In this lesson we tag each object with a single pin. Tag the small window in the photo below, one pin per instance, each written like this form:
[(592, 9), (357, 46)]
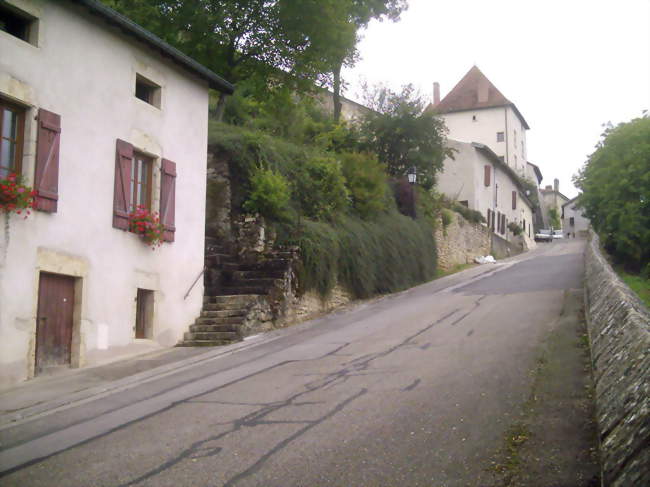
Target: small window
[(515, 138), (141, 176), (12, 126), (572, 221), (147, 91), (18, 24), (473, 118), (465, 203), (144, 314), (500, 136)]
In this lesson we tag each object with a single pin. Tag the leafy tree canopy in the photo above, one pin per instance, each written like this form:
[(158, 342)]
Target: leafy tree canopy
[(287, 39), (403, 134), (615, 182)]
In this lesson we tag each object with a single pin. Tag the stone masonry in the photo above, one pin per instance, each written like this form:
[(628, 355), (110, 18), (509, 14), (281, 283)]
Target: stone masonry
[(619, 333), (460, 242)]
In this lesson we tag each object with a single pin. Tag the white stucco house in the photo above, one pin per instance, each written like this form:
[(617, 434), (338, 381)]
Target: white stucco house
[(98, 116), (476, 111), (574, 223), (477, 178)]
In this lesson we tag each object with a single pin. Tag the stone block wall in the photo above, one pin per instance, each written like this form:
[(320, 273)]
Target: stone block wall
[(460, 242), (619, 333), (502, 248)]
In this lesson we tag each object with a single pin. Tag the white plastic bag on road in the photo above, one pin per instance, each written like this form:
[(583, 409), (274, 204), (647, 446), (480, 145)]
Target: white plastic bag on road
[(487, 259)]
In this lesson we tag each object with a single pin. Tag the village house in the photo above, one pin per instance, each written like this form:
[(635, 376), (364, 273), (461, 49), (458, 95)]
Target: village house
[(477, 178), (552, 199), (574, 223), (476, 111), (99, 116)]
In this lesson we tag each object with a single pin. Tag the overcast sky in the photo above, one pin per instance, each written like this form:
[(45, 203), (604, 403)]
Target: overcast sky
[(569, 66)]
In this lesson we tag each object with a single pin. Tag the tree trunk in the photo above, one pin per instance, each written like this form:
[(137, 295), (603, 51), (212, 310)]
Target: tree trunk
[(337, 92), (221, 107)]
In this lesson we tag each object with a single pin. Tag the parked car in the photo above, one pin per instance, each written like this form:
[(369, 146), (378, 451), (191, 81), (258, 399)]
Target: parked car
[(544, 235)]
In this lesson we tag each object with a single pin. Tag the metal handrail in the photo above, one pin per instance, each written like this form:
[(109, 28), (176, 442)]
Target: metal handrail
[(194, 283)]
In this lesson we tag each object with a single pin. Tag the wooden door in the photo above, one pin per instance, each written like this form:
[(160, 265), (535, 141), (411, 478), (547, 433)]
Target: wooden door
[(54, 321)]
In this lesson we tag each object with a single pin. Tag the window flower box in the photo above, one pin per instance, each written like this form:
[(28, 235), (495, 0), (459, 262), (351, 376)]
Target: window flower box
[(15, 196), (146, 224)]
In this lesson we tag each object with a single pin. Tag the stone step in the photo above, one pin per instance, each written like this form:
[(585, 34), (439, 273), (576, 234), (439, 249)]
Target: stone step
[(270, 264), (191, 336), (266, 282), (219, 260), (275, 274), (224, 320), (204, 343), (245, 290), (214, 328), (222, 313), (228, 302)]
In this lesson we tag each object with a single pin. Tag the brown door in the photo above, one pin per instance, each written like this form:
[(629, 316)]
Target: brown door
[(54, 321)]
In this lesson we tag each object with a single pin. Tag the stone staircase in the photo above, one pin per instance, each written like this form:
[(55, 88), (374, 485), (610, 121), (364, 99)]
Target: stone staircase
[(232, 288)]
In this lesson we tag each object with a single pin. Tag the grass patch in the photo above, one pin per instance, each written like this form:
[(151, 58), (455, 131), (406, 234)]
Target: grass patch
[(638, 284)]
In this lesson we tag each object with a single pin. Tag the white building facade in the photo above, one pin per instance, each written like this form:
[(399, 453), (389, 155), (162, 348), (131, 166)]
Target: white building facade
[(478, 179), (97, 121), (574, 223), (476, 111)]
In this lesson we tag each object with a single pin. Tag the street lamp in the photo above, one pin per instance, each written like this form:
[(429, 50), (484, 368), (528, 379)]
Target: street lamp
[(412, 175)]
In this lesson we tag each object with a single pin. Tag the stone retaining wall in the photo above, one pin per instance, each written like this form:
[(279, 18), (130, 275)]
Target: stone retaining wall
[(460, 242), (619, 333)]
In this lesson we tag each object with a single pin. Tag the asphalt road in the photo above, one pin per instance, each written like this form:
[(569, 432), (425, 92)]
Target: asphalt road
[(413, 389)]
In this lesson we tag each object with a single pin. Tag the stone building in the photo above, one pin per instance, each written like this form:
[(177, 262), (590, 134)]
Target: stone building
[(552, 198), (574, 223), (99, 116)]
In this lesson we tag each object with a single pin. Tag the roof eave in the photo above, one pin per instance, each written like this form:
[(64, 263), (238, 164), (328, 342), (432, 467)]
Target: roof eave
[(128, 26)]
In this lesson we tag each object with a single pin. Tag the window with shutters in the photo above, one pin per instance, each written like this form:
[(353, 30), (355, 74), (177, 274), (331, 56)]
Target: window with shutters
[(486, 175), (514, 200), (147, 91), (12, 129), (141, 179), (18, 23), (500, 136)]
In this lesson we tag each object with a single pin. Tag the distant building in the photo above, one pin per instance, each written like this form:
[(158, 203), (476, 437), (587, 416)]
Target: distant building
[(98, 116), (477, 178), (552, 198), (574, 223), (476, 111)]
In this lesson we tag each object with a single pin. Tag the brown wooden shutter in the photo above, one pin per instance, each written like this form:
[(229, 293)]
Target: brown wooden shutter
[(46, 177), (514, 200), (122, 187), (487, 175), (168, 199)]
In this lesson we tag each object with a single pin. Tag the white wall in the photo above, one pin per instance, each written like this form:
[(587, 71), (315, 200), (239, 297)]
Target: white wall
[(580, 222), (482, 126), (463, 179), (85, 71)]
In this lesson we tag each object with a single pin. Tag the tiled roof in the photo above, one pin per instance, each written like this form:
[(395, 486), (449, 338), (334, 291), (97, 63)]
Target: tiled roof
[(475, 91)]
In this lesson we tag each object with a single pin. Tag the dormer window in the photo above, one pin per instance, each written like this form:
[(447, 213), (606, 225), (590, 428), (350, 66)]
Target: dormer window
[(18, 24), (147, 91)]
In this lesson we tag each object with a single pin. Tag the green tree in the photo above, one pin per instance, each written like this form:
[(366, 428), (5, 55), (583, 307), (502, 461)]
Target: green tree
[(358, 14), (615, 182), (554, 218), (291, 42), (403, 134)]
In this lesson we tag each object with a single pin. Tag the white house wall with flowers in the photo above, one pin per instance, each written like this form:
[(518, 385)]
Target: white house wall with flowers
[(99, 118)]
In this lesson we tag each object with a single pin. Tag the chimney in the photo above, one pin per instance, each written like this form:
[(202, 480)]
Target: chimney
[(436, 93), (556, 185)]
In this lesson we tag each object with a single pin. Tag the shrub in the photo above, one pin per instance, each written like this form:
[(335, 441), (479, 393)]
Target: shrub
[(367, 258), (446, 217), (515, 228), (269, 195), (318, 187), (366, 182)]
